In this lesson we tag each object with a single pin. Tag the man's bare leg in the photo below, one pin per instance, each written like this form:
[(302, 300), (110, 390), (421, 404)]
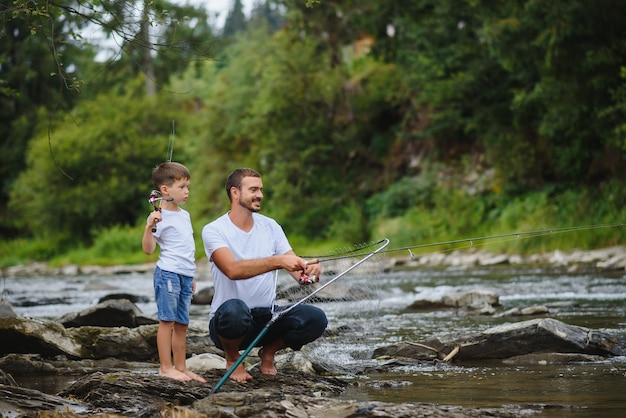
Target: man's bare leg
[(267, 353), (164, 347), (231, 352), (179, 348)]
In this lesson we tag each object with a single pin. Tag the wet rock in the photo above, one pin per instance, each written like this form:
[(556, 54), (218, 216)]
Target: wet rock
[(127, 296), (50, 339), (27, 335), (204, 296), (148, 395), (6, 309), (21, 402), (476, 302), (110, 313), (553, 358), (527, 311), (512, 340), (23, 364), (206, 361)]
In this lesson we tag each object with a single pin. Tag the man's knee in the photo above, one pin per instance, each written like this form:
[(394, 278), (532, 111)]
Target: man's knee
[(232, 319)]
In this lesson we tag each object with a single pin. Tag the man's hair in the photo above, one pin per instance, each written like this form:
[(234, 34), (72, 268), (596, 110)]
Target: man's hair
[(167, 173), (236, 177)]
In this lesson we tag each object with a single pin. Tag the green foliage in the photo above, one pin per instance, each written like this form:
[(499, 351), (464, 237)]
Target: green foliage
[(353, 139), (92, 169), (458, 216), (26, 250), (118, 245)]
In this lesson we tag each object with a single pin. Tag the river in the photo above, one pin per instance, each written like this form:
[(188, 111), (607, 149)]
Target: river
[(591, 299)]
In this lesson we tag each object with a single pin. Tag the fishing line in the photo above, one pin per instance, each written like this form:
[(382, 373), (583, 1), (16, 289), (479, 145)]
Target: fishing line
[(277, 314), (473, 242)]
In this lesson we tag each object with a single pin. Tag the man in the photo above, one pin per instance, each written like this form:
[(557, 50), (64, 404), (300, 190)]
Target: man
[(245, 248)]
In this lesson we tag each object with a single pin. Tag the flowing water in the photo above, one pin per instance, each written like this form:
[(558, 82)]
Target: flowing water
[(591, 299)]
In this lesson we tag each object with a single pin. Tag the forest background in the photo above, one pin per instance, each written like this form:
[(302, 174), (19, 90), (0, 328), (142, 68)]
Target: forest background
[(422, 121)]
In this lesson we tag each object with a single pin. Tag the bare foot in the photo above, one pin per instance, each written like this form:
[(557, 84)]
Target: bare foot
[(239, 374), (174, 374), (194, 376), (267, 363)]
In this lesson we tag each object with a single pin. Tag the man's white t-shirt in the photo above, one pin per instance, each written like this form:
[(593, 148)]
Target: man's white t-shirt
[(174, 235), (265, 239)]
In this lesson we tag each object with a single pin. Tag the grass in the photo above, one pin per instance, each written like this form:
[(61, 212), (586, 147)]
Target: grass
[(446, 216)]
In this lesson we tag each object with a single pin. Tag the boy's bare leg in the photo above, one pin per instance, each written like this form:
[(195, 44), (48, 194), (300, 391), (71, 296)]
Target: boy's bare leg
[(231, 352), (179, 348), (267, 353), (164, 347)]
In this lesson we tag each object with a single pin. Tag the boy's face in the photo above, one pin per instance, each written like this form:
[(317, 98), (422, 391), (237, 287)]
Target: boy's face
[(179, 190)]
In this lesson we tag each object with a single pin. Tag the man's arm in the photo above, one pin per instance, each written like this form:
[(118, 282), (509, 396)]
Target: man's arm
[(244, 269)]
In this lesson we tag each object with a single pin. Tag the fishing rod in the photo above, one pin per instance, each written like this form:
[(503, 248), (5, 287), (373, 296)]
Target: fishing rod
[(473, 242), (170, 151), (155, 198), (383, 243)]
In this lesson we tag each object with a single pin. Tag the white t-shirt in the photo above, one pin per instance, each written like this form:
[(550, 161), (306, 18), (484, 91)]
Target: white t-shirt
[(174, 235), (265, 239)]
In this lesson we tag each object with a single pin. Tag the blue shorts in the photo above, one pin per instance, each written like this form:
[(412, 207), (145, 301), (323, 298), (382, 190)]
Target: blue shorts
[(173, 293)]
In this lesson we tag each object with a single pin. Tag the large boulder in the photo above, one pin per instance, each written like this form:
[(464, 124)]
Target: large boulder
[(108, 313), (542, 335), (48, 338)]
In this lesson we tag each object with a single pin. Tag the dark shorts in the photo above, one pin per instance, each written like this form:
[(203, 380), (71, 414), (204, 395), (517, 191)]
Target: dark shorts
[(297, 327)]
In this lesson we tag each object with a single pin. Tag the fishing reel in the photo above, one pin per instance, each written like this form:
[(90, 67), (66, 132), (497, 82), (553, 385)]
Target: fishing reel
[(155, 200)]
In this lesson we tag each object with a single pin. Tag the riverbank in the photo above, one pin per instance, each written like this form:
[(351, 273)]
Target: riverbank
[(610, 258)]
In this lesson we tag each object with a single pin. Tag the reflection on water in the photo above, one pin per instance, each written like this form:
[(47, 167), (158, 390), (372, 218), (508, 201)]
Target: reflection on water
[(572, 390), (593, 300)]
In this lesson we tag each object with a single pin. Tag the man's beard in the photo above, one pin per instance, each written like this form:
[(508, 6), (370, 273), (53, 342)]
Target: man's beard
[(248, 205)]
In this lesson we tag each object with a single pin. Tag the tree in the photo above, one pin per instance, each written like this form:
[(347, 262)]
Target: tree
[(35, 74), (235, 21), (106, 150), (45, 62)]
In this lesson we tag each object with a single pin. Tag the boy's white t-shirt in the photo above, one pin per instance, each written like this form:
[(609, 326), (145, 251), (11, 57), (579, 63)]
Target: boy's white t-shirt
[(174, 235), (265, 239)]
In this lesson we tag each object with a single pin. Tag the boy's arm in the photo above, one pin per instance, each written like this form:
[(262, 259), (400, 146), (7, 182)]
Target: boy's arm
[(148, 242)]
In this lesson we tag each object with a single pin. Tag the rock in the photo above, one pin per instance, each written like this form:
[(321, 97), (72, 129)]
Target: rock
[(110, 313), (204, 296), (127, 296), (206, 361), (553, 358), (494, 260), (527, 311), (26, 335), (544, 335), (26, 364), (6, 309), (286, 395), (50, 339), (476, 301), (21, 402)]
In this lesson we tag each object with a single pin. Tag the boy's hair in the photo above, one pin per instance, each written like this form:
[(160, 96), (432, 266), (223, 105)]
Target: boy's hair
[(167, 173), (235, 178)]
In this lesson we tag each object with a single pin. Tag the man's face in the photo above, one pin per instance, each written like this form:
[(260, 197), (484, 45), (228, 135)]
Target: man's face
[(251, 193)]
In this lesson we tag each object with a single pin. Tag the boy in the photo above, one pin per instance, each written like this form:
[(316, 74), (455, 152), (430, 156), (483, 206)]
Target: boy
[(173, 276)]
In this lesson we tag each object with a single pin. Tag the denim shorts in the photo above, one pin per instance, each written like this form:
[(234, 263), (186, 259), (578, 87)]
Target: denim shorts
[(173, 294)]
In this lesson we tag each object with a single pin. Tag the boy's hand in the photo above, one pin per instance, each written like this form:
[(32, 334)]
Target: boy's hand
[(154, 218)]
